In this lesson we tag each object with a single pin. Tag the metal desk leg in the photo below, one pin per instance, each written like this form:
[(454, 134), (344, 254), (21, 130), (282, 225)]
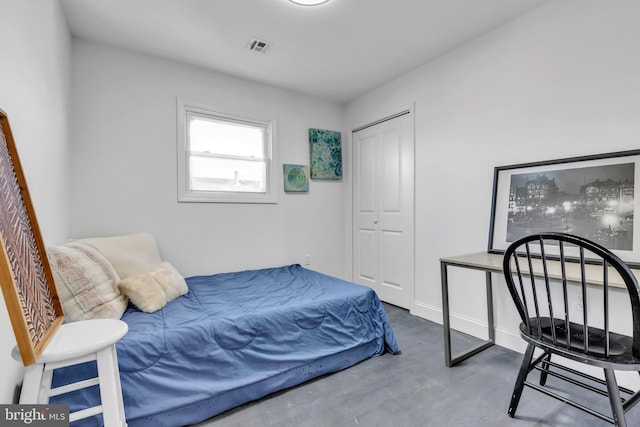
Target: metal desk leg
[(490, 325), (448, 359), (445, 313)]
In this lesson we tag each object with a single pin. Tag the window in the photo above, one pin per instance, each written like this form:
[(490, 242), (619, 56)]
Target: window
[(224, 158)]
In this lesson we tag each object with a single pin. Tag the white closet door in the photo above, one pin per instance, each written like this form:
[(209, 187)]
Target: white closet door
[(383, 209)]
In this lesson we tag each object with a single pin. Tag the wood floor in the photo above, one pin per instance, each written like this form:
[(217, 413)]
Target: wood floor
[(416, 389)]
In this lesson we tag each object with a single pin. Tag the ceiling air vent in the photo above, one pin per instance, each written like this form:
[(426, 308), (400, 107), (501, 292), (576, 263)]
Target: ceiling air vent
[(258, 45)]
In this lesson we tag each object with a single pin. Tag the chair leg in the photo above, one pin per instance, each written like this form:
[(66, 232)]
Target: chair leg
[(545, 366), (110, 388), (614, 398), (522, 376)]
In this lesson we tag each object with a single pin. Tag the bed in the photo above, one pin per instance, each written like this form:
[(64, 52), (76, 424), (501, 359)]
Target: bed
[(236, 337)]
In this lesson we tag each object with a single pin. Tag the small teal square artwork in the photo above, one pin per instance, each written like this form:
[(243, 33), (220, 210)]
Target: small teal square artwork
[(296, 178), (325, 149)]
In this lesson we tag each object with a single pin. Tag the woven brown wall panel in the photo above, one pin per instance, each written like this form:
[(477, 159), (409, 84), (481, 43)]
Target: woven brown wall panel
[(27, 286)]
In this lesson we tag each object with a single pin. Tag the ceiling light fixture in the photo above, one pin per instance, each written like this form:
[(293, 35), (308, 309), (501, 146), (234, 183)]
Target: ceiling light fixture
[(309, 2)]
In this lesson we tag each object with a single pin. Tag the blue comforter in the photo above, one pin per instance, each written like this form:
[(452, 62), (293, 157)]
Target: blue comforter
[(236, 337)]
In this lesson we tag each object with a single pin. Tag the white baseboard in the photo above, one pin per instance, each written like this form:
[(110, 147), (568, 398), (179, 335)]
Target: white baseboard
[(427, 311), (468, 325)]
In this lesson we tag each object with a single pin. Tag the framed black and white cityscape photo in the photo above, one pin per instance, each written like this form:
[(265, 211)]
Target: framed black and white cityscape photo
[(589, 196)]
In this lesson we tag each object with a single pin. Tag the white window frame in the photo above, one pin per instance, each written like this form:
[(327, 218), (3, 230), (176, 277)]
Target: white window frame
[(186, 194)]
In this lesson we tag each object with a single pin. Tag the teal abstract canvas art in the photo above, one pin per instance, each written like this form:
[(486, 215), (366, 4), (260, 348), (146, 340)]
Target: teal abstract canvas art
[(325, 148), (296, 178)]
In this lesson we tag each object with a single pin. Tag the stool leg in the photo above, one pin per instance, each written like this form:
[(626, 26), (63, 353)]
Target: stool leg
[(32, 385), (110, 389), (45, 385)]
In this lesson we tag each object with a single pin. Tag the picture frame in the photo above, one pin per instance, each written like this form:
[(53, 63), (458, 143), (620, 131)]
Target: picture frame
[(325, 154), (590, 196), (26, 280), (295, 178)]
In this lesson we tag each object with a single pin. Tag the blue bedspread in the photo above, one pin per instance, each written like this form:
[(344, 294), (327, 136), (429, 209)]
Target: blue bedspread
[(236, 337)]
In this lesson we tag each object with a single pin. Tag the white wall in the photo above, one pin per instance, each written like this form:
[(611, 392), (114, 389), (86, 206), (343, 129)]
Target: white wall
[(124, 166), (34, 75), (558, 82)]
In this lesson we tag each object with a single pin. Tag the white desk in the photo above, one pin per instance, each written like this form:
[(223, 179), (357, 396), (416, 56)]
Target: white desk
[(492, 263)]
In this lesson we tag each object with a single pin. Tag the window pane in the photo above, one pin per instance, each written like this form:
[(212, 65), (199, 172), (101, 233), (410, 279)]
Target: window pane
[(227, 138), (225, 158), (213, 174)]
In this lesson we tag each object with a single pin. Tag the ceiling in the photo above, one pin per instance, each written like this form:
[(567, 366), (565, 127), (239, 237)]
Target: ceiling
[(336, 51)]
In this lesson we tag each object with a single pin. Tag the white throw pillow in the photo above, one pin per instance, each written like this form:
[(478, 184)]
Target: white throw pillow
[(86, 283), (152, 291), (170, 280), (144, 292)]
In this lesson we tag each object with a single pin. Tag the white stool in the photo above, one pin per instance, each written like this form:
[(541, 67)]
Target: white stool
[(72, 344)]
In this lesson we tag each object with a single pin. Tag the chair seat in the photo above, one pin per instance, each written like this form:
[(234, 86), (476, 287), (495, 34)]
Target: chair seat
[(620, 346), (80, 338)]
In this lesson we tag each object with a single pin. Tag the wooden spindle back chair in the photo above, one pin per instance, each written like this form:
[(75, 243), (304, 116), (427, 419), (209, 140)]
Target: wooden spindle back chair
[(546, 274)]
